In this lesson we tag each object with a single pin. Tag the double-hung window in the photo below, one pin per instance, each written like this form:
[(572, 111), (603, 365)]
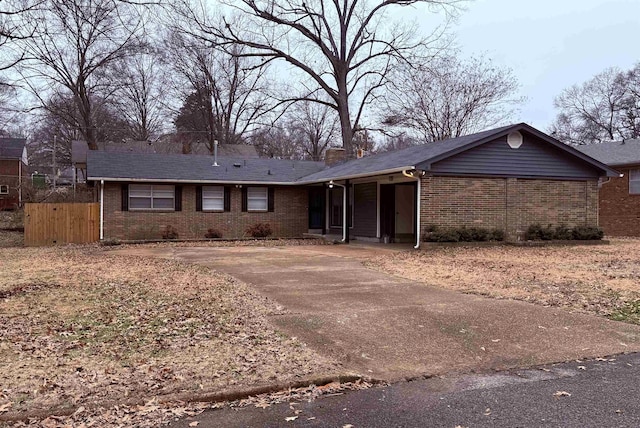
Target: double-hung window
[(151, 197), (634, 182), (213, 198), (257, 199)]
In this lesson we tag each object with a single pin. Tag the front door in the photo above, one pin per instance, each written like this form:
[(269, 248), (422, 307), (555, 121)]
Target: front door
[(316, 207), (405, 212), (388, 211)]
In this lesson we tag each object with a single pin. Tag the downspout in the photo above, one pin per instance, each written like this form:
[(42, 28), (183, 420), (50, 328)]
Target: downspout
[(410, 174), (20, 183), (101, 210)]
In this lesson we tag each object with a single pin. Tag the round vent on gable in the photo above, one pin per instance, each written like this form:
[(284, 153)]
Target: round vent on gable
[(514, 139)]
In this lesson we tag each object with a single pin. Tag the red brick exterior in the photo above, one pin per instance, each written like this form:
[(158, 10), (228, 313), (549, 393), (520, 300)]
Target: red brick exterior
[(620, 211), (9, 175), (509, 204), (289, 218)]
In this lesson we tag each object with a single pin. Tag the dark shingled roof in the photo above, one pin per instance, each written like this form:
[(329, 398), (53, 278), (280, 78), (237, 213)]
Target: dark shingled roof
[(195, 168), (79, 149), (11, 148), (198, 168), (614, 153), (401, 158)]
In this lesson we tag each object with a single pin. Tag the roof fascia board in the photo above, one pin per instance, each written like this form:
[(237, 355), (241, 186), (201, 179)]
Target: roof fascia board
[(363, 175), (165, 180)]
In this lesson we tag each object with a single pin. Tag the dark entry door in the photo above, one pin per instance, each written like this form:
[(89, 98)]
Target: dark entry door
[(388, 210), (316, 207)]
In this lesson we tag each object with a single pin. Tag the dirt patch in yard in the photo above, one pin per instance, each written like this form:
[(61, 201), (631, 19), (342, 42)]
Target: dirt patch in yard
[(81, 326), (604, 280)]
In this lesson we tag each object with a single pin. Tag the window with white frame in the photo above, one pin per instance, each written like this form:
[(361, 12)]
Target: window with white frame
[(151, 197), (257, 198), (4, 189), (634, 182), (213, 198)]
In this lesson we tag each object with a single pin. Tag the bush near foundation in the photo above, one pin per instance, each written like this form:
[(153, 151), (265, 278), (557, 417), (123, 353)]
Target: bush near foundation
[(170, 232), (213, 234), (537, 232), (462, 234), (259, 230)]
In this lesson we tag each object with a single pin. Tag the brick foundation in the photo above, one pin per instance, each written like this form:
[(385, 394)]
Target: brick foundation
[(509, 204), (619, 211), (289, 219)]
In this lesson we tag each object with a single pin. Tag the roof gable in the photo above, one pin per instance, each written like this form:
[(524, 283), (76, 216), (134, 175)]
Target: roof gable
[(12, 148)]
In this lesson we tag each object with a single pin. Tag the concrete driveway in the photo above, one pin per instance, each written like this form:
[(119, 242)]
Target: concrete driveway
[(390, 328)]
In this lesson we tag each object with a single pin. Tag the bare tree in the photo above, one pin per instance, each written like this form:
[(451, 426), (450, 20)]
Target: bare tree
[(449, 97), (14, 28), (75, 44), (604, 108), (314, 126), (276, 142), (140, 94), (344, 50), (227, 94)]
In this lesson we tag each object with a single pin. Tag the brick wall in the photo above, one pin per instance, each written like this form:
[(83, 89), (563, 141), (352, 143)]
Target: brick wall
[(9, 175), (619, 211), (509, 204), (289, 219)]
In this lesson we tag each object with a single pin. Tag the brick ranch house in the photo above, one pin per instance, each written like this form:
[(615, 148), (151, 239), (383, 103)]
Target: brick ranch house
[(506, 178), (13, 170), (619, 197)]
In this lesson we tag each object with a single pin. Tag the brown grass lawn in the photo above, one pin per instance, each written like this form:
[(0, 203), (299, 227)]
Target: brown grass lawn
[(602, 279), (81, 326)]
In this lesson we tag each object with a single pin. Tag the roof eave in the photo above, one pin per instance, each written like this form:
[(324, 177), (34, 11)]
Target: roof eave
[(170, 180), (354, 176)]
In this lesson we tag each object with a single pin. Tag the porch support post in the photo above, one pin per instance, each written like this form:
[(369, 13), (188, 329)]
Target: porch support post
[(418, 203), (346, 210), (101, 210)]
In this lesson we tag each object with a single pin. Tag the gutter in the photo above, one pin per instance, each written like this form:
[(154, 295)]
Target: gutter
[(262, 183)]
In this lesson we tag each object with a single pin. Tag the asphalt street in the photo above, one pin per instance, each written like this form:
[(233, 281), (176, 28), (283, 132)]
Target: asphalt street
[(596, 393)]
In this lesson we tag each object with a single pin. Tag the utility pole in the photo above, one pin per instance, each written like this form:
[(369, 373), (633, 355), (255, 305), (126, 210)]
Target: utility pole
[(53, 154)]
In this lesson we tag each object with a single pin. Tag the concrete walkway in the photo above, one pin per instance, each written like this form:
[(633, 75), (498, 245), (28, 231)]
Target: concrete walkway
[(390, 328)]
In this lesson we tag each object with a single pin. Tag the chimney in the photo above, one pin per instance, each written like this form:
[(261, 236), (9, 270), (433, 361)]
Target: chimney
[(334, 156)]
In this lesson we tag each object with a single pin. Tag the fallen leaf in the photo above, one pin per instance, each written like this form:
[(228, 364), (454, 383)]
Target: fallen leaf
[(290, 418), (487, 411), (561, 394), (6, 407), (582, 367), (194, 424), (347, 426)]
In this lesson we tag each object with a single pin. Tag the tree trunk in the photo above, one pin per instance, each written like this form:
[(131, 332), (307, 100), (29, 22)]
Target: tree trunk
[(342, 102)]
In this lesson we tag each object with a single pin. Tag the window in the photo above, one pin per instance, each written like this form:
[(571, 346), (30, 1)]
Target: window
[(213, 198), (257, 198), (634, 182), (4, 189), (151, 197)]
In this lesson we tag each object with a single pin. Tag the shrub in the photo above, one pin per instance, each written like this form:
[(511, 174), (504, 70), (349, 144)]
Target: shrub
[(259, 230), (213, 234), (496, 235), (537, 232), (563, 233), (169, 232), (587, 233), (110, 242), (462, 234)]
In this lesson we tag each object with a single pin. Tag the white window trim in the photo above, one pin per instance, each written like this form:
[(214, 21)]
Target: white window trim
[(265, 199), (636, 180), (6, 187), (204, 197), (173, 207)]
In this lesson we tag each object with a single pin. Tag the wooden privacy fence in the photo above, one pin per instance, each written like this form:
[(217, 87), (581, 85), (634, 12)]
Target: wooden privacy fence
[(64, 223)]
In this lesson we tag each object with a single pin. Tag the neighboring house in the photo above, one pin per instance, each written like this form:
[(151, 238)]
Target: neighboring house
[(13, 172), (79, 150), (506, 178), (619, 197)]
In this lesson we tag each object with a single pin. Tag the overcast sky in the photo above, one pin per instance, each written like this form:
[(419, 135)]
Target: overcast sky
[(551, 44)]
